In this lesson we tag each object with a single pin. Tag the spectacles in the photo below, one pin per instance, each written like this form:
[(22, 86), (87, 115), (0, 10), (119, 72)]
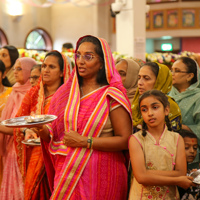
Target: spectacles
[(17, 69), (86, 57), (34, 77), (177, 71)]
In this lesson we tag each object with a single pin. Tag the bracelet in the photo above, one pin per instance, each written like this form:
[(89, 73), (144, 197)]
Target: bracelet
[(89, 142), (24, 131), (92, 144)]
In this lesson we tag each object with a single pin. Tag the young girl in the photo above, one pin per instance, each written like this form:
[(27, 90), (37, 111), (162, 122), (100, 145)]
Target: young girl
[(156, 153)]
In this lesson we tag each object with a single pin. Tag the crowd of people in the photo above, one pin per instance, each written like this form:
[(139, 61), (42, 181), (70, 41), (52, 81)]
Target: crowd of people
[(125, 130)]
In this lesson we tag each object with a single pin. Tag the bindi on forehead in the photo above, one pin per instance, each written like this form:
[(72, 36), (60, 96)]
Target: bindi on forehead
[(190, 140)]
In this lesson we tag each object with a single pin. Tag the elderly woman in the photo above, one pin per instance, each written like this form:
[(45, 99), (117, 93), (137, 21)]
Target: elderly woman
[(55, 70), (155, 76), (186, 92), (13, 189), (9, 55), (86, 141), (128, 70)]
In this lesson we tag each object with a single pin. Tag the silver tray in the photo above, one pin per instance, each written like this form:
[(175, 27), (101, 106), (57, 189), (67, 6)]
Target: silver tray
[(22, 121), (196, 176), (32, 142)]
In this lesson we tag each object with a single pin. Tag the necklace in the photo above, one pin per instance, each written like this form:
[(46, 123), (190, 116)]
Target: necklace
[(92, 90)]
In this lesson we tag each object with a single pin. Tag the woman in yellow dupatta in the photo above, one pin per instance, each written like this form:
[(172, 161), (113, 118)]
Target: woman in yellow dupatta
[(155, 76), (55, 70)]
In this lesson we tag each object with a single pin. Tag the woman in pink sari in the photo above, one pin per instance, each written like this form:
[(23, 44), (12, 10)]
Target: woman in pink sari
[(87, 140), (12, 184)]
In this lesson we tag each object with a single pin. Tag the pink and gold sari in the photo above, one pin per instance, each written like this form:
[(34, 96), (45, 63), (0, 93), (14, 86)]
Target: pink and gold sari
[(30, 159), (81, 173)]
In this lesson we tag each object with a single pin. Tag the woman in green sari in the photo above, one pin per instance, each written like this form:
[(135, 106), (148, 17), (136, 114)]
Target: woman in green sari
[(186, 92)]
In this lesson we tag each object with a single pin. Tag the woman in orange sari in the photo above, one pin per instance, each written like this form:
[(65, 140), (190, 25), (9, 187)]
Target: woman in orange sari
[(37, 100)]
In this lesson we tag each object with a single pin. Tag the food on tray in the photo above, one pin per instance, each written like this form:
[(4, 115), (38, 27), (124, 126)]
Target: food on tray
[(35, 118)]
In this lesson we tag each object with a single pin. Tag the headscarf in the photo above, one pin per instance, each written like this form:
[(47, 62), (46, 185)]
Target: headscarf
[(139, 61), (19, 90), (17, 94), (188, 102), (163, 83), (191, 90), (131, 77)]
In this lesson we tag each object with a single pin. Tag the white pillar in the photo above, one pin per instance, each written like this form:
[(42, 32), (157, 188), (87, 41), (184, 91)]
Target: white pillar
[(131, 29)]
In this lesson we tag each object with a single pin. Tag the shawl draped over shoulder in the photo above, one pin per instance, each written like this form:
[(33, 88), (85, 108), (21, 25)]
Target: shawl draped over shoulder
[(164, 84), (73, 178)]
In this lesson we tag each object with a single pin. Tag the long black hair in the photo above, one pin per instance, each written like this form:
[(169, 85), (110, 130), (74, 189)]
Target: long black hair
[(101, 76), (5, 80), (160, 97), (13, 53)]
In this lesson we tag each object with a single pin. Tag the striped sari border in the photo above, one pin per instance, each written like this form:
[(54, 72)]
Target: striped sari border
[(81, 155)]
